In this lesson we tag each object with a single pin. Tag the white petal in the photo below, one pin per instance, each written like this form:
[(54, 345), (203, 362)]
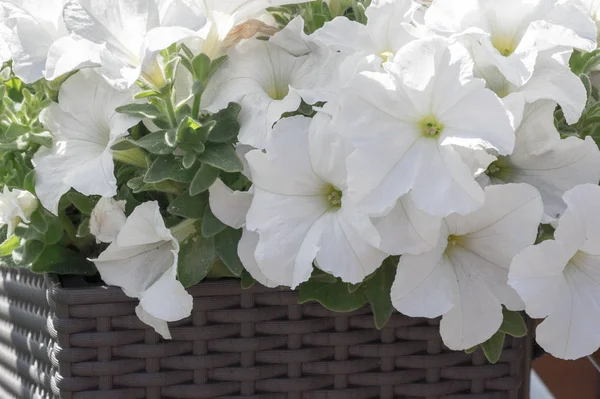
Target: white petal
[(246, 249), (343, 34), (477, 313), (407, 229), (425, 284), (71, 53), (107, 219), (344, 253), (290, 229), (229, 206), (160, 326), (166, 299), (282, 170), (581, 217)]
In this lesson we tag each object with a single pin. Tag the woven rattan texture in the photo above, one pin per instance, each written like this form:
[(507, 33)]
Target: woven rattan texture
[(25, 343), (261, 344)]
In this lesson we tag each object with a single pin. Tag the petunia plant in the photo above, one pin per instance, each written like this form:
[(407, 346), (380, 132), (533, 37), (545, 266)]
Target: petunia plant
[(437, 158)]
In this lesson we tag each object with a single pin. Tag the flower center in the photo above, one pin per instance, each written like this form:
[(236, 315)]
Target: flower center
[(505, 44), (334, 196), (431, 127), (453, 241), (386, 56), (500, 169), (277, 90)]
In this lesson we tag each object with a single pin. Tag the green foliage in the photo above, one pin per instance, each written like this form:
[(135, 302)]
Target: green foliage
[(513, 325), (334, 296), (377, 290)]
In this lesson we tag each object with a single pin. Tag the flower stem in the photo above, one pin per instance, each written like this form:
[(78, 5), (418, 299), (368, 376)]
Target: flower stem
[(133, 156), (184, 229), (171, 108)]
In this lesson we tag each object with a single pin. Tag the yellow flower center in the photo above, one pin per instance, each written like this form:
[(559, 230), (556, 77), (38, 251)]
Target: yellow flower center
[(505, 44), (333, 196), (277, 90), (430, 126)]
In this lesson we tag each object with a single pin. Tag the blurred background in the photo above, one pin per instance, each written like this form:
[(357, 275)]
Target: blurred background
[(569, 379)]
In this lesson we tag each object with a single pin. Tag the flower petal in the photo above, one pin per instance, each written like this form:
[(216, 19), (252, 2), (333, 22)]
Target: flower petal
[(229, 206)]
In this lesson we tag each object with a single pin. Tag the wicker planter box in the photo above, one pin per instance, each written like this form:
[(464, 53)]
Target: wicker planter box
[(86, 342)]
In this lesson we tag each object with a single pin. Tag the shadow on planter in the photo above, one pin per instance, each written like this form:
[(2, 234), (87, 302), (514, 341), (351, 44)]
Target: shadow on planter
[(83, 340)]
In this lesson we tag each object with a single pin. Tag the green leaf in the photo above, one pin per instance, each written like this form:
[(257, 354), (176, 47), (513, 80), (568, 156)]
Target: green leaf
[(222, 156), (146, 94), (83, 203), (201, 65), (513, 324), (38, 221), (319, 276), (29, 182), (226, 243), (9, 245), (28, 253), (168, 168), (334, 297), (196, 257), (43, 138), (211, 226), (84, 228), (61, 260), (204, 178), (187, 206), (155, 143), (492, 348), (227, 125), (471, 350), (377, 291), (188, 160), (247, 281), (140, 110), (15, 130), (216, 64)]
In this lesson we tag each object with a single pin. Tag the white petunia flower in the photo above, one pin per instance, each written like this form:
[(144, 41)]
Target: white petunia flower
[(85, 125), (269, 80), (388, 29), (509, 34), (301, 209), (559, 280), (39, 42), (16, 205), (464, 279), (107, 219), (404, 125), (130, 35), (542, 159), (143, 262), (593, 9)]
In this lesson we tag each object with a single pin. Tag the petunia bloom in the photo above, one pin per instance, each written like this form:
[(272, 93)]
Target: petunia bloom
[(559, 280), (547, 162), (142, 260), (464, 278), (269, 80), (404, 126), (15, 206), (85, 125), (107, 219), (129, 35), (509, 34), (301, 210)]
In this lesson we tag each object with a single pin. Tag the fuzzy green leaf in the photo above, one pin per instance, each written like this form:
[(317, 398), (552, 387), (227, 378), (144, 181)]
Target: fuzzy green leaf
[(155, 143), (226, 243), (377, 290), (492, 348), (140, 110), (513, 324), (84, 203), (9, 245), (222, 156), (190, 207), (211, 226), (205, 177), (201, 65), (334, 297), (227, 125), (15, 130), (247, 281), (196, 257), (28, 253), (61, 260), (168, 168)]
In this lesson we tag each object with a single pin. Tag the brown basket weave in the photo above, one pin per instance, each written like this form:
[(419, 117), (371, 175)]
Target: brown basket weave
[(237, 344)]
